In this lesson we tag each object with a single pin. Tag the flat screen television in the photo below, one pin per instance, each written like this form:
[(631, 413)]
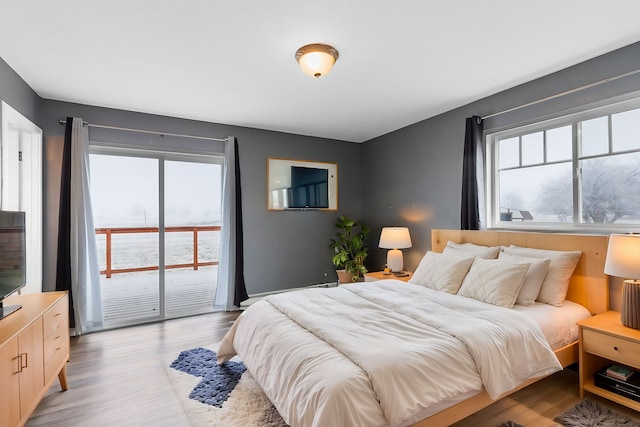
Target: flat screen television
[(301, 185), (309, 188), (13, 257)]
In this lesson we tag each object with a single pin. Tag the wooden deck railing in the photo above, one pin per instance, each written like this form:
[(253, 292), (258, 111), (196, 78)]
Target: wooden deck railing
[(108, 232)]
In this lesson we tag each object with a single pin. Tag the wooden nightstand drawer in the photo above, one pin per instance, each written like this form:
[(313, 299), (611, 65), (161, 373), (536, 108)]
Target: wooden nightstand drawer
[(610, 347)]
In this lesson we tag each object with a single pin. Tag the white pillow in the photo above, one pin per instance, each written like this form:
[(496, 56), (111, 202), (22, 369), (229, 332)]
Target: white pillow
[(556, 282), (494, 281), (532, 280), (442, 272), (467, 249)]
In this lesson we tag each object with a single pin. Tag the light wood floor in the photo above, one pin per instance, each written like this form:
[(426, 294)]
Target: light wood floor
[(117, 378)]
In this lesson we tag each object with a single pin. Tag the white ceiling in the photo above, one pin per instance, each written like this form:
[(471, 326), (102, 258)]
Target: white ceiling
[(233, 61)]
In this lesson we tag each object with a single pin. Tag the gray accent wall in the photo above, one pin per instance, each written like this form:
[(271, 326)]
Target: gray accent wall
[(282, 249), (412, 177), (17, 93)]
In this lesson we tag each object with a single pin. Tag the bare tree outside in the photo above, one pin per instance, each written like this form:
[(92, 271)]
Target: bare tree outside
[(610, 191), (557, 198)]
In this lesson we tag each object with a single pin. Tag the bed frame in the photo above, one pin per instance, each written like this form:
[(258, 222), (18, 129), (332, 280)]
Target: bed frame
[(589, 287)]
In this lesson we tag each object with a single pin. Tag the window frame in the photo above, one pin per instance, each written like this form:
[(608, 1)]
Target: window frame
[(161, 155), (573, 119)]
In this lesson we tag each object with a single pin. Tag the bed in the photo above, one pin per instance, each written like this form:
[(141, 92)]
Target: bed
[(324, 358)]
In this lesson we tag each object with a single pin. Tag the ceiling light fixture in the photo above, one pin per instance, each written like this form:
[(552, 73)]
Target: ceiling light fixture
[(316, 59)]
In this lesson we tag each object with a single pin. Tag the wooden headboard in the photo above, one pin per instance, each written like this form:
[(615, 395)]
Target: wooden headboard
[(589, 285)]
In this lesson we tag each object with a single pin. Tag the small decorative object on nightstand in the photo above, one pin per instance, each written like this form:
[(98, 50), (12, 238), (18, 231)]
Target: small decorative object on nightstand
[(623, 260), (605, 341), (380, 275)]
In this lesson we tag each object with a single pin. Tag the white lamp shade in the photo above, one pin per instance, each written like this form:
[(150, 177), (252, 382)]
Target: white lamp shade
[(395, 238), (623, 256)]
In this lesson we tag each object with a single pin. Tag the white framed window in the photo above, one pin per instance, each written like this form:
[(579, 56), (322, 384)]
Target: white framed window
[(577, 171)]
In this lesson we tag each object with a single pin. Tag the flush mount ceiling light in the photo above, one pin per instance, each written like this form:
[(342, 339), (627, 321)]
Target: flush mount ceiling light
[(316, 59)]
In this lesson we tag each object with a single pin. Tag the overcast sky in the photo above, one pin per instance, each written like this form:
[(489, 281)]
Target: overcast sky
[(124, 191)]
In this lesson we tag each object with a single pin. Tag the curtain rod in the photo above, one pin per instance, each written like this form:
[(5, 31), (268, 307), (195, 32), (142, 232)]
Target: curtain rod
[(179, 135), (558, 95)]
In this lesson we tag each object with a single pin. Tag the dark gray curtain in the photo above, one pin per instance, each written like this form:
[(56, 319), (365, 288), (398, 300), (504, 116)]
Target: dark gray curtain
[(470, 211), (240, 288), (63, 265)]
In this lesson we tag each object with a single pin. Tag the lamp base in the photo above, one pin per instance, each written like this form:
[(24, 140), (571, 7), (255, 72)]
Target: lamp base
[(394, 260), (630, 313)]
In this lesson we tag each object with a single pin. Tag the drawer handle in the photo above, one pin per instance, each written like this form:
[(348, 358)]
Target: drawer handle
[(24, 361), (57, 314), (615, 348)]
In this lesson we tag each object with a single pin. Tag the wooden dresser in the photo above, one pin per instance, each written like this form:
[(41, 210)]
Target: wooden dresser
[(34, 350)]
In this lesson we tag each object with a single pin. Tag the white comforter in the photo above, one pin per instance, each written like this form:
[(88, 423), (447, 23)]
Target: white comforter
[(379, 354)]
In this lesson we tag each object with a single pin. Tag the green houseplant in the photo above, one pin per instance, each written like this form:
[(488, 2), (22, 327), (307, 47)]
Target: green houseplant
[(350, 250)]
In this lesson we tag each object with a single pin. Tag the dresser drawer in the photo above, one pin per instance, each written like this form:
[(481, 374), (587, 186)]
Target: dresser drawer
[(55, 315), (610, 347), (56, 350), (58, 340), (55, 364)]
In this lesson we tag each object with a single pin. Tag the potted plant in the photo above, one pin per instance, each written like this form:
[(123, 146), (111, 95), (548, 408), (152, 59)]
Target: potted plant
[(349, 248)]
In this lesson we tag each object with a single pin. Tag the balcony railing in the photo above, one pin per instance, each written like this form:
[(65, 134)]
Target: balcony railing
[(109, 232)]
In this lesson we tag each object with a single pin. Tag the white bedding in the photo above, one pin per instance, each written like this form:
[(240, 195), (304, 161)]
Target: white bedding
[(382, 353), (559, 324)]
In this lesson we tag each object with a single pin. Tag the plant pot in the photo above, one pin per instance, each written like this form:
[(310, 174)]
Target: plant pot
[(344, 277)]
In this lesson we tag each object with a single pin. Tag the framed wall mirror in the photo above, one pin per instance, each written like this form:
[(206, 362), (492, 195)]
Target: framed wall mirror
[(301, 185)]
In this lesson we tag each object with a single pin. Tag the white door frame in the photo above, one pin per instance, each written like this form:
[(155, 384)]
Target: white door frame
[(21, 184)]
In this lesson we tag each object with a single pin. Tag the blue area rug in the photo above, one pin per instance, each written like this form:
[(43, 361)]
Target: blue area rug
[(218, 381), (223, 395)]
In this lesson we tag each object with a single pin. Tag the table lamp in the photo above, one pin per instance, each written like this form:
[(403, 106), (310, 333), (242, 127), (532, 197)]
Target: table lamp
[(623, 260), (394, 239)]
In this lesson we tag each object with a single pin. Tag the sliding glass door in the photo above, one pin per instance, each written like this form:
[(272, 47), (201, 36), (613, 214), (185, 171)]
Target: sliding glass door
[(192, 231), (157, 218)]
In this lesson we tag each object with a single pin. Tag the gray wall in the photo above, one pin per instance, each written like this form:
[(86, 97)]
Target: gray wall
[(415, 173), (282, 249), (15, 92)]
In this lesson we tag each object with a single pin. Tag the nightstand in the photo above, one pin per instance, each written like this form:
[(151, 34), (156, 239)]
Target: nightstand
[(604, 340), (380, 275)]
